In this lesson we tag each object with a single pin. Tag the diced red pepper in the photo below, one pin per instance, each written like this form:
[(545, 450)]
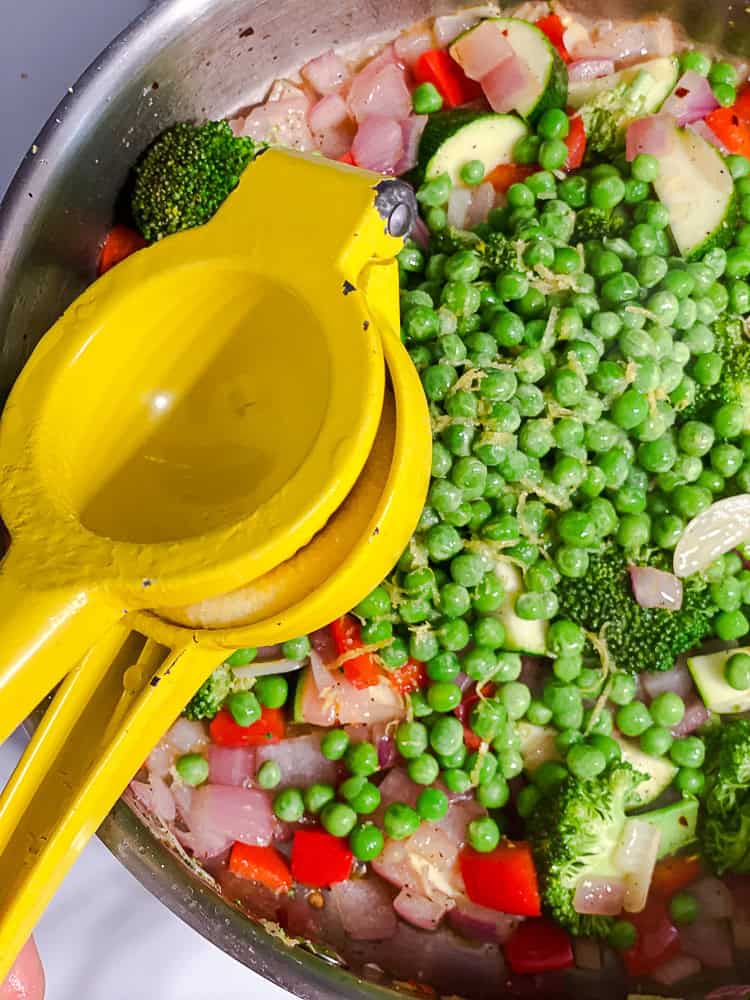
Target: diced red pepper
[(672, 874), (732, 127), (538, 946), (554, 29), (362, 671), (260, 864), (319, 859), (503, 880), (411, 677), (576, 143), (438, 68), (506, 174), (270, 728), (658, 939), (742, 104), (348, 158), (121, 241)]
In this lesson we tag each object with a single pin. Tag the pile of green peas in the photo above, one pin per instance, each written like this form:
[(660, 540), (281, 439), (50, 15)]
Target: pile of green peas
[(561, 388)]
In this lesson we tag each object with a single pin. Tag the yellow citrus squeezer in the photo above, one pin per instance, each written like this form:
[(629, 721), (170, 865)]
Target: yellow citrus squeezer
[(213, 416)]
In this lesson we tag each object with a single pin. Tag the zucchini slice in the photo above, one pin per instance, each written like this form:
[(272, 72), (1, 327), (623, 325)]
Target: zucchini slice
[(544, 62), (452, 138), (665, 72)]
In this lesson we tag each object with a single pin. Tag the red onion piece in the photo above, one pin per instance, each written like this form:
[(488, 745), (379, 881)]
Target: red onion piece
[(506, 85), (365, 907), (220, 815), (652, 134), (599, 896), (230, 765), (635, 856), (691, 100), (714, 898), (676, 969), (387, 752), (420, 233), (283, 123), (482, 202), (328, 112), (706, 132), (448, 27), (397, 786), (186, 736), (696, 715), (458, 206), (326, 73), (654, 588), (411, 132), (625, 42), (162, 800), (383, 93), (301, 762), (590, 69), (533, 673), (378, 144), (481, 50), (419, 910), (410, 46), (710, 941), (323, 644), (677, 679), (478, 923), (718, 529)]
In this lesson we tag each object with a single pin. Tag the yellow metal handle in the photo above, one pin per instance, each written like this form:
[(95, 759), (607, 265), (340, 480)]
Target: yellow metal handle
[(31, 619), (103, 722)]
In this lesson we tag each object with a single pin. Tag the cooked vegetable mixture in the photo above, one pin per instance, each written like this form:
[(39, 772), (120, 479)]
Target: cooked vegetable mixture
[(534, 731)]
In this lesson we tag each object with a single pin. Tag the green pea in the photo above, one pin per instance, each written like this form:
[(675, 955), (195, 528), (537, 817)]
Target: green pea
[(585, 761), (334, 744), (289, 806), (338, 819), (193, 769), (241, 657), (549, 775), (366, 841), (737, 671), (446, 735), (423, 770), (725, 94), (244, 707), (623, 689), (426, 99), (656, 741), (690, 751), (527, 801), (432, 805), (443, 696), (317, 796), (683, 908), (690, 781), (484, 834), (606, 745), (553, 154), (645, 168), (622, 935), (633, 719), (272, 691), (456, 780), (362, 759), (667, 709)]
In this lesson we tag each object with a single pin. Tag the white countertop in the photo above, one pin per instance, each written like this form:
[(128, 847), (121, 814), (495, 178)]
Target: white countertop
[(104, 937)]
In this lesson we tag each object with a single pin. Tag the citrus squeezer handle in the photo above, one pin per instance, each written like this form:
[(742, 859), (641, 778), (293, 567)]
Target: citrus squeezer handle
[(104, 720), (43, 634)]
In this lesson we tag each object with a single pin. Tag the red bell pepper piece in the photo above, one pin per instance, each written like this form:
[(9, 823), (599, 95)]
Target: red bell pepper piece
[(554, 29), (672, 874), (411, 677), (438, 68), (658, 939), (506, 174), (319, 859), (270, 728), (121, 241), (732, 127), (362, 671), (538, 946), (260, 864), (576, 143), (503, 880), (742, 104), (348, 158)]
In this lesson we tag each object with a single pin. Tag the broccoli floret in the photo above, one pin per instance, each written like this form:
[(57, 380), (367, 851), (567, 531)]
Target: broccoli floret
[(497, 251), (185, 176), (574, 833), (211, 695), (450, 240), (733, 347), (724, 821), (637, 638), (594, 224)]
